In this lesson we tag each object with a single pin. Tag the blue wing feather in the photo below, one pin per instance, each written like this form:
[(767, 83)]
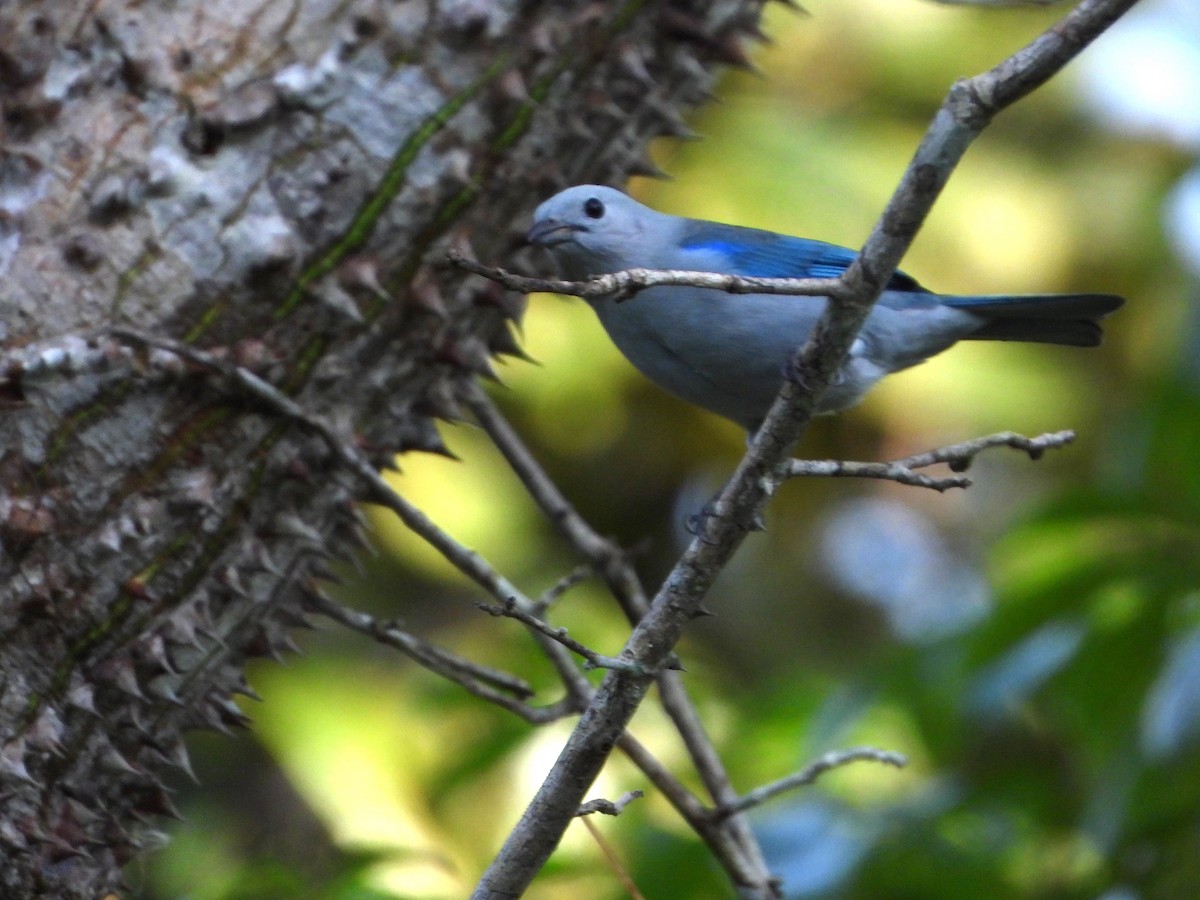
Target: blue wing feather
[(768, 255)]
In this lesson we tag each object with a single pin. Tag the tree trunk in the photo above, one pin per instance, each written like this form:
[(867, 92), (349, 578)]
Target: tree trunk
[(275, 184)]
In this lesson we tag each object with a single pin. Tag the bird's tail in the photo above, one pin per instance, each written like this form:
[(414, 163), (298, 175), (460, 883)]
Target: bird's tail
[(1070, 319)]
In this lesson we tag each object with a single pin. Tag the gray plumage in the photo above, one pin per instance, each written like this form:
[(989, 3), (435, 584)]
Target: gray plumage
[(727, 352)]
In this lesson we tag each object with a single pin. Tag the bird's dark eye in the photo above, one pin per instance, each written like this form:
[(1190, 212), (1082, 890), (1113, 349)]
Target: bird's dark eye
[(593, 208)]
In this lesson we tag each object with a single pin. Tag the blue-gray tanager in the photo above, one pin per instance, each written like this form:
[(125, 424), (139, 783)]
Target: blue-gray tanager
[(728, 352)]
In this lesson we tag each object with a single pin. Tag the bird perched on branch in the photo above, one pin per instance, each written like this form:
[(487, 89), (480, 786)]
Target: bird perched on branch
[(728, 352)]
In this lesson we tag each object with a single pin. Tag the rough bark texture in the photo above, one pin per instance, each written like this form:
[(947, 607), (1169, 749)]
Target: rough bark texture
[(273, 182)]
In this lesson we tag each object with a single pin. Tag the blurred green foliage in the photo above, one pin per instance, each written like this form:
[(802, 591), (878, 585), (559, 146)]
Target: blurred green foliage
[(1052, 721)]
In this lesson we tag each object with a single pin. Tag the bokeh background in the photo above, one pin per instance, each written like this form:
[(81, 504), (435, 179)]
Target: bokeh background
[(1032, 644)]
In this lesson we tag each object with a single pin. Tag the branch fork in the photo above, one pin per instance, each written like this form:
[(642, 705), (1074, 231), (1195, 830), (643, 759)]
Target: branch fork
[(648, 655)]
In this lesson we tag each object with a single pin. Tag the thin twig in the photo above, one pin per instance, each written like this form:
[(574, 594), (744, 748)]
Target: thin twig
[(629, 282), (968, 108), (463, 673), (605, 555), (731, 840), (614, 862), (478, 680), (379, 491), (835, 759), (391, 634), (375, 488), (838, 468), (592, 659), (958, 456), (552, 594)]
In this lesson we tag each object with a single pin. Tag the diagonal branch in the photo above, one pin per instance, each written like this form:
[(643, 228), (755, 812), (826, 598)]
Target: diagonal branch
[(608, 807), (592, 659), (629, 282), (499, 688), (605, 556), (960, 456), (968, 108), (468, 675), (883, 471)]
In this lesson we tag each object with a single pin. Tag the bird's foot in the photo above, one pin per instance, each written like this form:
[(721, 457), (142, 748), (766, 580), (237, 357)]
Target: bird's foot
[(697, 524)]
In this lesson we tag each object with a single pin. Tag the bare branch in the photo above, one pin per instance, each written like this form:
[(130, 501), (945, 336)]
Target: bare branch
[(482, 681), (475, 678), (839, 468), (614, 862), (628, 283), (731, 840), (968, 108), (605, 556), (391, 634), (593, 660), (552, 594), (378, 490), (958, 456), (835, 759)]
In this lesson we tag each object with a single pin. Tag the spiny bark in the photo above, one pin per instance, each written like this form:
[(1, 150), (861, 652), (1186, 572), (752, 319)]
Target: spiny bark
[(274, 182)]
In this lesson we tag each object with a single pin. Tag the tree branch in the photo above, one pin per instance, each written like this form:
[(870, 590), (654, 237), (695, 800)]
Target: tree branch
[(146, 513), (499, 688), (968, 108), (592, 659), (731, 840), (835, 759), (958, 456)]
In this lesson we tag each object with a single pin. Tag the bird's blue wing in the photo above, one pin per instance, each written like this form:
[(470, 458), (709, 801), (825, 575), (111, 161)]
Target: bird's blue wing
[(765, 254)]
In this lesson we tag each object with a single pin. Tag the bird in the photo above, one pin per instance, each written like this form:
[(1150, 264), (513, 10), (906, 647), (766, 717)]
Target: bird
[(728, 353)]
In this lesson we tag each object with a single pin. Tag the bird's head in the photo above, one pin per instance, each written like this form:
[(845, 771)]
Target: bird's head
[(593, 230)]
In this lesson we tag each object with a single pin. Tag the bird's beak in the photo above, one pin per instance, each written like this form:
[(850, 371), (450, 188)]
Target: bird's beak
[(548, 232)]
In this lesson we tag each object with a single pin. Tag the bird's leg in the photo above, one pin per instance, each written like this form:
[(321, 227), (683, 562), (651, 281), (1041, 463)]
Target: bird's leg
[(697, 523)]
